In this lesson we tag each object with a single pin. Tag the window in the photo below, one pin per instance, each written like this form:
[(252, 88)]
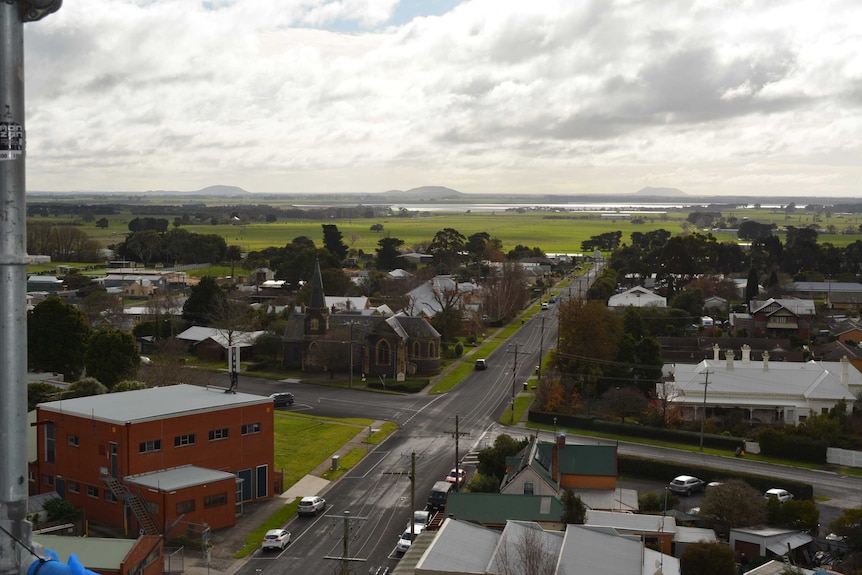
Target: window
[(415, 349), (314, 324), (185, 506), (182, 440), (250, 428), (74, 486), (432, 350), (73, 440), (92, 491), (219, 434), (152, 507), (528, 488), (49, 442), (148, 446), (48, 480), (215, 500), (383, 352), (110, 497)]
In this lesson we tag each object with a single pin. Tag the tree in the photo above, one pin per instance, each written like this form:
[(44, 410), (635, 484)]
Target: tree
[(112, 356), (57, 336), (128, 385), (448, 248), (61, 510), (574, 510), (333, 241), (41, 392), (796, 514), (448, 319), (492, 460), (752, 287), (203, 301), (529, 553), (388, 252), (653, 501), (84, 388), (734, 503), (506, 286), (588, 340), (707, 559), (103, 309), (624, 401), (849, 526)]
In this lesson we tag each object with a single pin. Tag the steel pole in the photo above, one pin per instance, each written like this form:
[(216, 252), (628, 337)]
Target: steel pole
[(13, 296)]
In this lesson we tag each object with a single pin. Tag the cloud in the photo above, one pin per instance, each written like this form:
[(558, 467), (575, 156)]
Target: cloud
[(337, 95)]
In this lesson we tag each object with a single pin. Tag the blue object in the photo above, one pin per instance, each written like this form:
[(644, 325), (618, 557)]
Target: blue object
[(53, 566)]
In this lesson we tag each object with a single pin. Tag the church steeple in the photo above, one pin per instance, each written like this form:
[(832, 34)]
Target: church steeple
[(318, 300)]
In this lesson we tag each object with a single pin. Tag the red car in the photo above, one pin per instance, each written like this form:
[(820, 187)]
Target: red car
[(458, 476)]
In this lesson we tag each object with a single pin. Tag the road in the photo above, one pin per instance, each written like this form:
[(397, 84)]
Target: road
[(374, 500)]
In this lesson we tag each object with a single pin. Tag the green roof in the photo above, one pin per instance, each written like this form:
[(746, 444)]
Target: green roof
[(582, 459), (497, 508)]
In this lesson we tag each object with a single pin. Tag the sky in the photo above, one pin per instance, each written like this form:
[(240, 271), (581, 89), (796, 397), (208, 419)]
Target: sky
[(758, 98)]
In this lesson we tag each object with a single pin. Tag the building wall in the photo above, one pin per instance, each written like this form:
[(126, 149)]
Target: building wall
[(84, 447), (146, 554), (588, 482)]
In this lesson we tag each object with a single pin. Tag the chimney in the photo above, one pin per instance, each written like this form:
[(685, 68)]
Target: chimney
[(559, 443), (845, 371), (729, 357), (746, 353), (715, 350), (765, 361)]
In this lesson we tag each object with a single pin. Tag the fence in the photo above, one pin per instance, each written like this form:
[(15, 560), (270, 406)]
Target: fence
[(173, 560), (843, 457)]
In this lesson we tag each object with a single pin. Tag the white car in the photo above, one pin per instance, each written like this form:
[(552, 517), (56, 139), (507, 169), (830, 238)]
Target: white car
[(311, 505), (781, 494), (686, 485), (275, 539), (405, 540), (420, 520)]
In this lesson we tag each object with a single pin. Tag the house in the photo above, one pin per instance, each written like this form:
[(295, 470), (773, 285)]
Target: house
[(159, 458), (429, 298), (715, 302), (675, 349), (108, 556), (770, 542), (657, 531), (849, 330), (765, 392), (213, 343), (495, 509), (637, 297), (590, 471), (461, 547), (322, 337), (779, 318), (837, 295), (50, 284)]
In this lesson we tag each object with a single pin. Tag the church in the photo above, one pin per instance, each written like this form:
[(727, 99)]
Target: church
[(320, 339)]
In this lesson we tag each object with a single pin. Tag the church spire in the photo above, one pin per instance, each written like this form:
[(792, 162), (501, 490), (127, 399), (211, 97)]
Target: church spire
[(318, 300)]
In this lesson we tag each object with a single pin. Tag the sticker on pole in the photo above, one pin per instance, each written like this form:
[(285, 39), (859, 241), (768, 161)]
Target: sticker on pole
[(11, 141)]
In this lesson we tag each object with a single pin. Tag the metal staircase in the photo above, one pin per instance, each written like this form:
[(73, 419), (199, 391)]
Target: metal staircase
[(135, 502)]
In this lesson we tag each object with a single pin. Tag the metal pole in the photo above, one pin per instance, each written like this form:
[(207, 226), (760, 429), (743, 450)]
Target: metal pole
[(703, 419), (350, 382), (345, 563), (514, 374), (541, 347)]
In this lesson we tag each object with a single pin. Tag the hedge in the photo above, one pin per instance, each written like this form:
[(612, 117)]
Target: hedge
[(777, 444), (640, 431)]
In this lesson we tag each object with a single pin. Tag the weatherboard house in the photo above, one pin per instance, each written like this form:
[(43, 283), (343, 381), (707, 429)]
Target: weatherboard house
[(322, 338)]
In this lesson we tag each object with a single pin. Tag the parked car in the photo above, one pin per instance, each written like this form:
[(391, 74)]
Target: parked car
[(481, 364), (781, 494), (420, 519), (686, 485), (311, 505), (458, 476), (406, 539), (282, 399), (545, 305), (275, 539)]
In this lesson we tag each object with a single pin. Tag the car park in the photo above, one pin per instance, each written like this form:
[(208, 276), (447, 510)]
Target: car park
[(686, 485), (406, 539), (282, 399), (781, 494), (311, 505), (481, 364), (275, 539), (458, 476)]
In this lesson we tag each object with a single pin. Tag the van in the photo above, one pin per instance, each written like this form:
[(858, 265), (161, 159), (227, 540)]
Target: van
[(439, 495), (481, 364)]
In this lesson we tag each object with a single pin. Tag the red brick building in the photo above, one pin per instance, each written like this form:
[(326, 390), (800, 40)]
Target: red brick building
[(180, 457)]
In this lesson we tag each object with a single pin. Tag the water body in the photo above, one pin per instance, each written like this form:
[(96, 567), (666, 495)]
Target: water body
[(628, 208)]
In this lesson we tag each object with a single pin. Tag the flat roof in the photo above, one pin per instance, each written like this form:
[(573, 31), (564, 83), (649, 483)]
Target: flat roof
[(152, 403), (178, 478), (94, 552)]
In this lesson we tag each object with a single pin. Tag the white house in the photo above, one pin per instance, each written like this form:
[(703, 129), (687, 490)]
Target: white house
[(766, 392), (637, 297)]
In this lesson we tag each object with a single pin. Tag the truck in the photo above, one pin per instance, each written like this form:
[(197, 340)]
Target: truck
[(438, 496)]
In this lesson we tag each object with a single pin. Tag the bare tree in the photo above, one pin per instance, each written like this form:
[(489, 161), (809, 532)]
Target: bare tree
[(104, 310), (167, 366), (160, 310), (506, 288), (662, 403), (528, 554)]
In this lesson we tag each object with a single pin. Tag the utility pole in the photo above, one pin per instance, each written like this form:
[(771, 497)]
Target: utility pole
[(350, 382), (514, 374), (541, 346), (345, 552), (457, 434), (703, 419), (15, 530)]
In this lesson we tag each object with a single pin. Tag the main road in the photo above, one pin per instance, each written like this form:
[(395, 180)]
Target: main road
[(373, 501)]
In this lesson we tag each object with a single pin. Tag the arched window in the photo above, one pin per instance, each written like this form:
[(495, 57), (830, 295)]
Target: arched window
[(416, 349), (432, 350), (314, 324), (384, 353)]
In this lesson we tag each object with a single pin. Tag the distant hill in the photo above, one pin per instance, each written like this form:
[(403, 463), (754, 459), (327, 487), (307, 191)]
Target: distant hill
[(219, 191), (424, 193), (661, 192)]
